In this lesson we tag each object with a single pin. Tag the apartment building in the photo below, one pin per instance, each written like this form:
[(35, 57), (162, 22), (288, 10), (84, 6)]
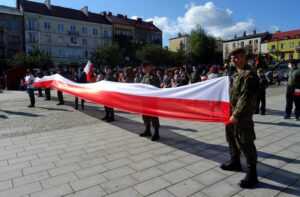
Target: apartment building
[(67, 35), (11, 36), (182, 41), (251, 42)]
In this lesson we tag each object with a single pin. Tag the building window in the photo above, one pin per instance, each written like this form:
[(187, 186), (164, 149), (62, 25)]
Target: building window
[(73, 28), (86, 53), (13, 40), (47, 25), (256, 41), (292, 45), (273, 46), (84, 42), (96, 43), (105, 34), (242, 44), (291, 55), (282, 55), (60, 39), (47, 38), (282, 46), (250, 42), (32, 25), (60, 27), (12, 25), (32, 38), (48, 51), (84, 30), (226, 46), (61, 53), (73, 40), (95, 32), (233, 45)]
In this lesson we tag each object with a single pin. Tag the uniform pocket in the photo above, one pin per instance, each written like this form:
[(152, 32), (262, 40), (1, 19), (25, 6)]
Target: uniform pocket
[(245, 131)]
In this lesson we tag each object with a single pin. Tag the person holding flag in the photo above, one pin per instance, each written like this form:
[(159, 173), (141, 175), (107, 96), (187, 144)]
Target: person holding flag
[(81, 77), (88, 69)]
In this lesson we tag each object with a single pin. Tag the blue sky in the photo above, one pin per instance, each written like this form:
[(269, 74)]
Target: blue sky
[(221, 18)]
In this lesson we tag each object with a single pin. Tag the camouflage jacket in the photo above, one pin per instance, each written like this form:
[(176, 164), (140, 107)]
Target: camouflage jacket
[(151, 79), (243, 93)]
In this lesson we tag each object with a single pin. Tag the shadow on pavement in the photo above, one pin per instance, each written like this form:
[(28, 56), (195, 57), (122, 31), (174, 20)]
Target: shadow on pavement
[(275, 112), (279, 123), (3, 117), (54, 109), (21, 113)]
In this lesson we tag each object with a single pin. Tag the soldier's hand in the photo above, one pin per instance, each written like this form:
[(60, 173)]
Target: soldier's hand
[(233, 120)]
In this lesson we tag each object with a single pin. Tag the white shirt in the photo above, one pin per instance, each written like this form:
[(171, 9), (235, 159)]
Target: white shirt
[(29, 81)]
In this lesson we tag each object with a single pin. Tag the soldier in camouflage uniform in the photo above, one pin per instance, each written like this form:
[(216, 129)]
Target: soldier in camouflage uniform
[(151, 79), (240, 132), (109, 112)]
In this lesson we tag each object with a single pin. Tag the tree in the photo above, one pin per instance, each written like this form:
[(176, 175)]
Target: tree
[(39, 59), (108, 55), (153, 53), (20, 60), (203, 47)]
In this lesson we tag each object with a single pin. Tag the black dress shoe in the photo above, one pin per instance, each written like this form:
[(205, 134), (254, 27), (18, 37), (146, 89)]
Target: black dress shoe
[(110, 120), (105, 118), (30, 106), (287, 117), (60, 104)]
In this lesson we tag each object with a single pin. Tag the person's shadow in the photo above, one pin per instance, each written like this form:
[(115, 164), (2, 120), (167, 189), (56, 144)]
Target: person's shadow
[(20, 113)]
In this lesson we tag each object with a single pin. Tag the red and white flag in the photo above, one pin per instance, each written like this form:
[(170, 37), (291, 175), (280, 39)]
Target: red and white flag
[(88, 69), (206, 101)]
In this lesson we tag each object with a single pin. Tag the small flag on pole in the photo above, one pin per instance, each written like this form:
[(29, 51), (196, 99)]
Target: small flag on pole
[(88, 69)]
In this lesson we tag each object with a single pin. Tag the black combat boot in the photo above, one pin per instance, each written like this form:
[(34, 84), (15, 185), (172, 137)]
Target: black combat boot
[(147, 132), (250, 178), (233, 165), (156, 135), (111, 117)]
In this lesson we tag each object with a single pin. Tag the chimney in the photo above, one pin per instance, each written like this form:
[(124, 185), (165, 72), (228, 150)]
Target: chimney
[(235, 36), (109, 14), (18, 2), (85, 10), (244, 34), (277, 31), (150, 22), (254, 32), (125, 16), (103, 13), (119, 15), (139, 19), (48, 4)]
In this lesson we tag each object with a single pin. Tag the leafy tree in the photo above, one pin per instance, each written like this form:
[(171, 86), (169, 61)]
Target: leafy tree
[(153, 53), (108, 55), (39, 59), (20, 60), (203, 47)]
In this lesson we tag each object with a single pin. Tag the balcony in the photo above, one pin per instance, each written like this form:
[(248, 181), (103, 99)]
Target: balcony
[(73, 33), (272, 50)]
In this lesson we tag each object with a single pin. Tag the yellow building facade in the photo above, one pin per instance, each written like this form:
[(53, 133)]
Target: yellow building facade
[(182, 41), (285, 46)]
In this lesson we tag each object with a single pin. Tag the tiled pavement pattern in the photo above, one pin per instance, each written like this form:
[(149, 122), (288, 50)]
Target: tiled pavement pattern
[(57, 151)]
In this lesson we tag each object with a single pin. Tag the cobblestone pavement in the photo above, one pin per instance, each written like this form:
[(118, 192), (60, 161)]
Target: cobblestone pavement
[(56, 151)]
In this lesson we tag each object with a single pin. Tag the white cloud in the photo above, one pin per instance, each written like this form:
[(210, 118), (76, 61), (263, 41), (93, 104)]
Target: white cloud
[(134, 17), (274, 28), (216, 21)]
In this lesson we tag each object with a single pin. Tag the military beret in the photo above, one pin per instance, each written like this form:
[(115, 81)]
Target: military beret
[(238, 51)]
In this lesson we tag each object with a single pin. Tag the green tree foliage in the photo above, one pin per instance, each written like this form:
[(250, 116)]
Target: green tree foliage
[(20, 60), (108, 55), (203, 47), (155, 54)]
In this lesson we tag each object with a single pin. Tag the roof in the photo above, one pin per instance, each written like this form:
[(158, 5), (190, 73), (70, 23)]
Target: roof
[(9, 10), (180, 36), (256, 35), (286, 34), (62, 12), (139, 23)]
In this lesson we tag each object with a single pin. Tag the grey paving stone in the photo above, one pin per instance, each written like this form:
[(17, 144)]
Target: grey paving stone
[(58, 180), (178, 175), (53, 192), (129, 192), (147, 174), (22, 190), (162, 193), (151, 186), (119, 172), (221, 189), (95, 191), (87, 182), (185, 188), (64, 169), (142, 165), (10, 175), (86, 172), (30, 178), (4, 185), (118, 184)]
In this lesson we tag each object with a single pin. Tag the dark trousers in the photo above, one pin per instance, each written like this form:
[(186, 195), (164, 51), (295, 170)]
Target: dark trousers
[(148, 120), (48, 93), (31, 96), (109, 112), (76, 103), (240, 138), (297, 106), (289, 100), (261, 101), (60, 97), (40, 92)]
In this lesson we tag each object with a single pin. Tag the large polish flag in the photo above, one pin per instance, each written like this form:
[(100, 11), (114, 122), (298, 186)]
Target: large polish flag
[(88, 69), (206, 101)]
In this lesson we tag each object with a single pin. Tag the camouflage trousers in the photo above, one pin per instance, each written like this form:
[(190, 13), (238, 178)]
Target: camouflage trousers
[(148, 120), (240, 138)]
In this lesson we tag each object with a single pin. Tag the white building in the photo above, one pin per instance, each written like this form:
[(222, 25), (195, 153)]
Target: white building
[(67, 35), (251, 42)]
